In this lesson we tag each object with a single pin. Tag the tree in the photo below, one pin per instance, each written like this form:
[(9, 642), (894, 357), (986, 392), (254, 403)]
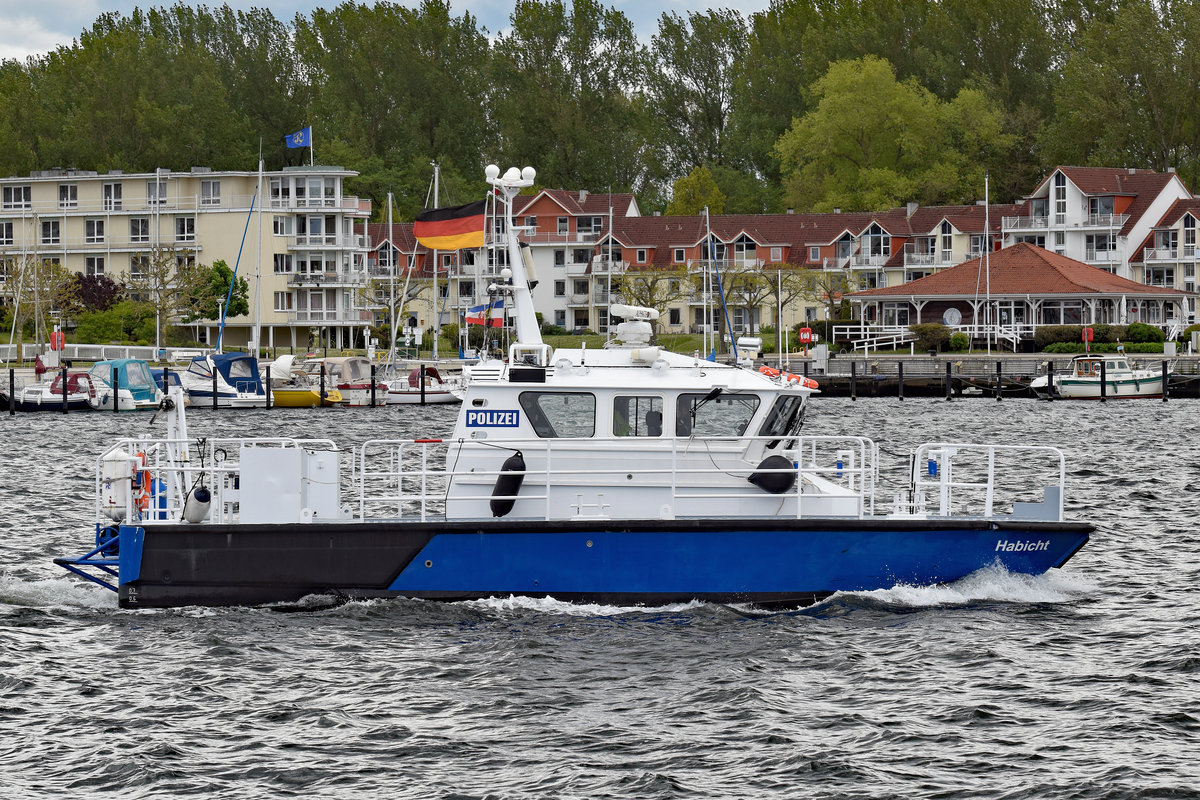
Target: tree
[(694, 193), (564, 88), (654, 288), (95, 293), (872, 142), (170, 282), (1128, 95), (824, 288), (38, 290), (690, 85), (212, 295)]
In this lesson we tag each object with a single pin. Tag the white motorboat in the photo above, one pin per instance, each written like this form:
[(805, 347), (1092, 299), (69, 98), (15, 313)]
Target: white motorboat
[(1095, 375)]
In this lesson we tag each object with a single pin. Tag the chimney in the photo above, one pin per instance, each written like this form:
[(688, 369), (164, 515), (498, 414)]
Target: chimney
[(837, 211), (791, 211), (1170, 170), (912, 208), (658, 213), (582, 195), (1132, 170)]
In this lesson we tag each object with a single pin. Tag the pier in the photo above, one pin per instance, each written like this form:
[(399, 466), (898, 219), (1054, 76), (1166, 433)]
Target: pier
[(961, 375)]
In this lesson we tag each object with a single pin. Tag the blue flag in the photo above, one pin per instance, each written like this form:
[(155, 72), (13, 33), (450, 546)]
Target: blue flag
[(301, 138)]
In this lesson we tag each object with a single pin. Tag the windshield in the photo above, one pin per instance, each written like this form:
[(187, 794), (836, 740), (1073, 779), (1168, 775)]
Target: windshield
[(240, 368), (785, 418), (137, 374), (725, 415)]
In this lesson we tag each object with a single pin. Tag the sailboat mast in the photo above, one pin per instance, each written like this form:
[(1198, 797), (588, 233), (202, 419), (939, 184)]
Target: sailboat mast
[(392, 310), (437, 315), (258, 259)]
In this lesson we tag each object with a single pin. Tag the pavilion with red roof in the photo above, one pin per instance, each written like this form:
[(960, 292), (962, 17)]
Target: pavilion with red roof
[(1025, 286)]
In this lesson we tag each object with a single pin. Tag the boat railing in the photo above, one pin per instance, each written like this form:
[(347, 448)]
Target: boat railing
[(157, 474), (963, 479), (409, 479)]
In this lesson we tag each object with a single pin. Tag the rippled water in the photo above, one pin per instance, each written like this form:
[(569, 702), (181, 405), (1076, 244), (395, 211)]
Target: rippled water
[(1079, 684)]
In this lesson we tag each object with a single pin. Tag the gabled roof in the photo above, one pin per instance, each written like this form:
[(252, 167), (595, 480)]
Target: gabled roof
[(1169, 220), (1016, 271), (583, 202), (1143, 185)]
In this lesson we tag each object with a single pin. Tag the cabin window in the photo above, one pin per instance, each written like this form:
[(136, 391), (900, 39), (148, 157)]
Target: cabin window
[(724, 415), (785, 417), (637, 416), (556, 415)]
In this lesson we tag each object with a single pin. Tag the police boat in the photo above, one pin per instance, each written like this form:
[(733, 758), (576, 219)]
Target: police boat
[(623, 475)]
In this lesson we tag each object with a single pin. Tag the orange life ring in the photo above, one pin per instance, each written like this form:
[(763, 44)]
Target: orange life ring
[(771, 372)]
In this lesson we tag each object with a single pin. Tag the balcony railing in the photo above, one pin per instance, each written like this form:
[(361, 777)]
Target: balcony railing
[(869, 259), (333, 315), (304, 241), (1104, 256), (1025, 223), (1105, 220), (1186, 253), (326, 278)]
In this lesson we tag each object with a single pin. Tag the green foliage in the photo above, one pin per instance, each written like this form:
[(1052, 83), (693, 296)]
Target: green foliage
[(125, 323), (1104, 347), (692, 194), (212, 290), (872, 142), (1140, 332), (959, 341), (931, 335), (1186, 336), (1046, 335)]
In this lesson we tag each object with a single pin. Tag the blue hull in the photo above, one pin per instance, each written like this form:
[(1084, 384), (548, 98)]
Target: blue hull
[(775, 562)]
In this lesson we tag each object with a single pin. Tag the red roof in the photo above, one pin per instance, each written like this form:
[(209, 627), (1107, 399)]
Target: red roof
[(1023, 269), (1169, 220), (1143, 185)]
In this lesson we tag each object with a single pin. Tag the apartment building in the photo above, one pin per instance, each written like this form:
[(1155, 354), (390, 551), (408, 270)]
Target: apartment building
[(1097, 215), (301, 246)]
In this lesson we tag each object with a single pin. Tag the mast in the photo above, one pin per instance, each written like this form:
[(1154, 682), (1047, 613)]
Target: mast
[(391, 283), (987, 266), (509, 186), (258, 258), (437, 312)]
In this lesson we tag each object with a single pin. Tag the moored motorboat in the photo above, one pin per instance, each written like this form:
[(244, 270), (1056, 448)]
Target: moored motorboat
[(292, 387), (1094, 375), (623, 475), (127, 382), (237, 383), (48, 395), (424, 385), (354, 379)]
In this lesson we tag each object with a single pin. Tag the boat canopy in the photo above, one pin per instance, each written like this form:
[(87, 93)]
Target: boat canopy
[(132, 374), (239, 370), (77, 383), (414, 377)]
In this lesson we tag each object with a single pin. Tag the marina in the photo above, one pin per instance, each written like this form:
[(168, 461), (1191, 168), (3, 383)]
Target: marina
[(627, 474)]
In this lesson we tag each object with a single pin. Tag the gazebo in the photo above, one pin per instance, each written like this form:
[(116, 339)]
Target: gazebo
[(1008, 293)]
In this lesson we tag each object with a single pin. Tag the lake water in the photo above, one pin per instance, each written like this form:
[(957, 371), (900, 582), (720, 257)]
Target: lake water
[(1083, 683)]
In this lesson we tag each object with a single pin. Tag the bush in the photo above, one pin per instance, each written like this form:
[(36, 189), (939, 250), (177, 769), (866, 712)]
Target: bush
[(1141, 332), (1047, 335), (1188, 331), (930, 335), (1104, 347), (553, 330), (959, 341)]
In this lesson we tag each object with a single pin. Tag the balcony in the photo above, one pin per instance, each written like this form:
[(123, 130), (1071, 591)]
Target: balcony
[(576, 237), (342, 316), (1025, 223), (1186, 253), (869, 259), (1104, 221), (577, 299), (1093, 256), (326, 241), (335, 278), (575, 268), (604, 266)]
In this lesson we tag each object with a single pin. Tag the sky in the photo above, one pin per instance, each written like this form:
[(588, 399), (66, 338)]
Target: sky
[(35, 27)]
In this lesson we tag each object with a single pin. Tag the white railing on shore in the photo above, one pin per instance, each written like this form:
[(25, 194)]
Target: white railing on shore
[(102, 352)]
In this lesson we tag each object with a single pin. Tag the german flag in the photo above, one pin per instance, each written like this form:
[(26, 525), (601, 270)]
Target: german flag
[(452, 227)]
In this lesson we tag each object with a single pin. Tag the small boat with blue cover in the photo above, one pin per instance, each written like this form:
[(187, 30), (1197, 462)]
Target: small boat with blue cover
[(237, 385), (127, 382), (626, 474)]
